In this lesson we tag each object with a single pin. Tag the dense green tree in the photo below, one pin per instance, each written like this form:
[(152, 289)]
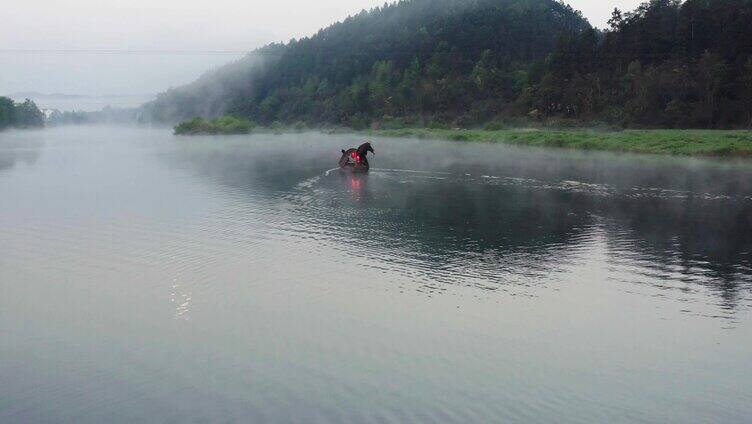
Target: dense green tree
[(7, 112), (746, 91), (20, 115), (668, 63), (28, 115)]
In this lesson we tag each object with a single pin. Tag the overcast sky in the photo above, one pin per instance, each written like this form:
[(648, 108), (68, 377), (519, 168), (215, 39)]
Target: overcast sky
[(226, 25)]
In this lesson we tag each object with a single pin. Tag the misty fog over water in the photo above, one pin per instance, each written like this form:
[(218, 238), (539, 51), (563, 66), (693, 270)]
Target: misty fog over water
[(117, 79), (147, 277)]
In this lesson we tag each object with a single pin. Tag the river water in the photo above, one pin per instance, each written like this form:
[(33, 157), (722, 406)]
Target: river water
[(145, 277)]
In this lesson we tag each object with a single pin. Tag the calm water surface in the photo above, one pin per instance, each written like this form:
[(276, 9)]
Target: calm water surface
[(145, 277)]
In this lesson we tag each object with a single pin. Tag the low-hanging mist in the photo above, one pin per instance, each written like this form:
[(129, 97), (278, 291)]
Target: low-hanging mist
[(462, 63)]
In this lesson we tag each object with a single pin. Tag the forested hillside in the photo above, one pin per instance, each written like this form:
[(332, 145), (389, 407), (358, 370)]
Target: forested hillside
[(415, 59), (19, 115), (469, 62), (667, 64)]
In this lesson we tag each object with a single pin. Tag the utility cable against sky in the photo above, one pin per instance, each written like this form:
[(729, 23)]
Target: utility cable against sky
[(131, 52)]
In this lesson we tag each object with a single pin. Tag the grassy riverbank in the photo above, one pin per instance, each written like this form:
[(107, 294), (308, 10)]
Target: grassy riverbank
[(224, 125), (674, 142)]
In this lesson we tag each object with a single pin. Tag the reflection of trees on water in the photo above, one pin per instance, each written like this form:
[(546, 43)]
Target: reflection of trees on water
[(461, 230), (19, 147), (9, 158), (706, 242), (455, 232), (454, 229)]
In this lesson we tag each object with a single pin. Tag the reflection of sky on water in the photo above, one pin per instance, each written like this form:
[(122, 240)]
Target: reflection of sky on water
[(156, 278), (181, 298)]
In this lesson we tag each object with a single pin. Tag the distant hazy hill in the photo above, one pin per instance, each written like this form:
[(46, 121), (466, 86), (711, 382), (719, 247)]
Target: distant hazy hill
[(415, 58), (37, 95), (669, 63)]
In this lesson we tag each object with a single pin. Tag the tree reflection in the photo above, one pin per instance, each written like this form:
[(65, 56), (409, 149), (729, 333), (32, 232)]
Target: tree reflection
[(453, 227), (10, 157)]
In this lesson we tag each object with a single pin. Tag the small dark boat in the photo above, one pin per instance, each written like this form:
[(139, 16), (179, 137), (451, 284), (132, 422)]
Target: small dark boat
[(355, 160)]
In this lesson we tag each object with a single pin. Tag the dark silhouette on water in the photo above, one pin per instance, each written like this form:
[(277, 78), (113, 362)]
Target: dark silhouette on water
[(356, 159)]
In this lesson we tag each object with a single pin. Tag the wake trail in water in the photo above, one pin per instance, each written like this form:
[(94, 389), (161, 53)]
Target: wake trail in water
[(595, 189), (411, 171)]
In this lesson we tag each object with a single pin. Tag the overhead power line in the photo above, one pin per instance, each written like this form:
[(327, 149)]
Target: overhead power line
[(129, 52)]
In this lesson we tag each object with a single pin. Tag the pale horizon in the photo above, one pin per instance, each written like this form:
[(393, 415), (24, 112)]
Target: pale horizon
[(75, 46)]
